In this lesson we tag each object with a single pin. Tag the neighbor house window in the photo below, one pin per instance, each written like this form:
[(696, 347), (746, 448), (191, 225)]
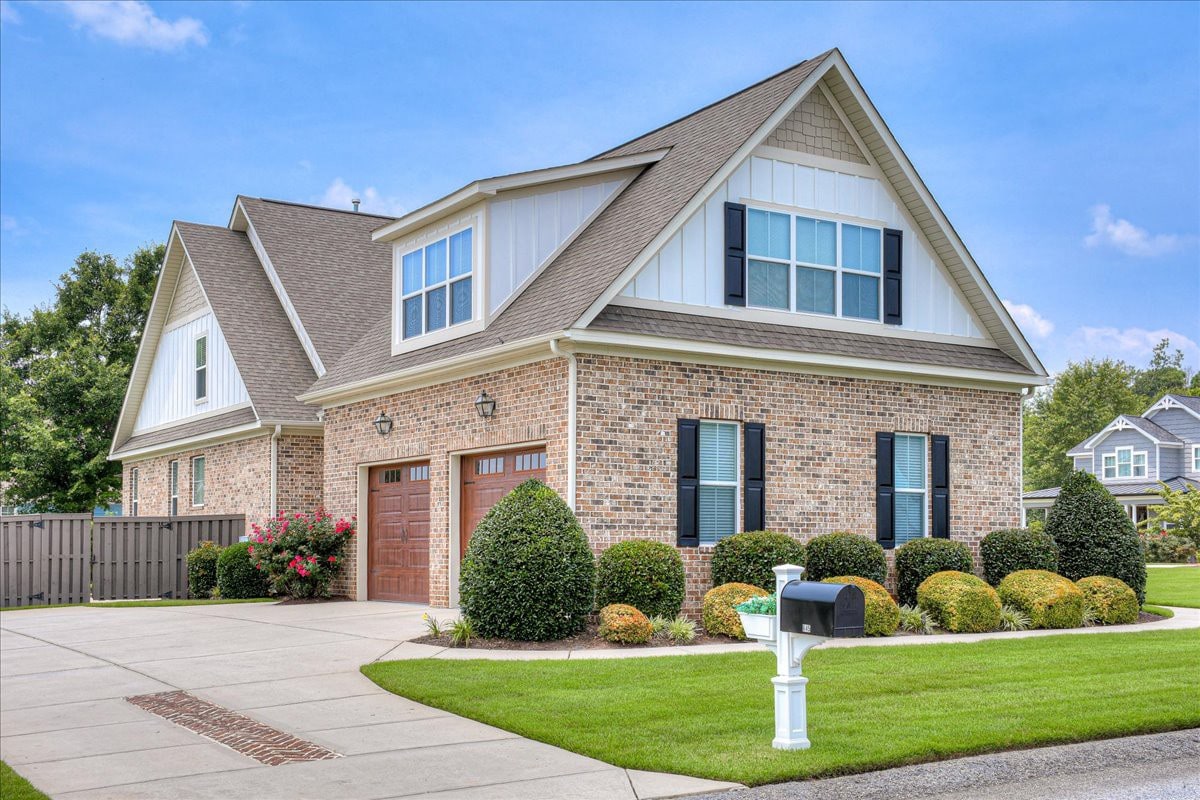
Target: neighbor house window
[(912, 487), (816, 266), (134, 478), (173, 488), (201, 368), (1125, 463), (198, 481), (1196, 458), (718, 489), (436, 285)]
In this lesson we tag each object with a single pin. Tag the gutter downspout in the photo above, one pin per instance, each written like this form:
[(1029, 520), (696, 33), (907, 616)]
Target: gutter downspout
[(572, 383), (275, 470), (1021, 456)]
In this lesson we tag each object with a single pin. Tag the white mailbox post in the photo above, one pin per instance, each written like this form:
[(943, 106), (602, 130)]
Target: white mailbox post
[(791, 703)]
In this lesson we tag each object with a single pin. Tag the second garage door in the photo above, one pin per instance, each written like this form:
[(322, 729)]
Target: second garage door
[(486, 477)]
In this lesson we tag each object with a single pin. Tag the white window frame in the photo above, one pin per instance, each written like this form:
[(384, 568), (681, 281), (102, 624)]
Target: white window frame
[(473, 276), (173, 488), (203, 484), (926, 512), (134, 481), (1115, 455), (736, 484), (1196, 458), (793, 263), (197, 368)]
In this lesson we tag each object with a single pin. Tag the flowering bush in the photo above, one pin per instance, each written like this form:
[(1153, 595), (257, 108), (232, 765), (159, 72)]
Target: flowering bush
[(300, 553), (1162, 547)]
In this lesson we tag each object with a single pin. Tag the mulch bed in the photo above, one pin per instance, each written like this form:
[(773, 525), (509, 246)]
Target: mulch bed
[(588, 639)]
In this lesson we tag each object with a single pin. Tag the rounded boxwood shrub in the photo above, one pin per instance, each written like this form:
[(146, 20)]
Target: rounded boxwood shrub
[(960, 603), (646, 575), (238, 576), (718, 613), (920, 558), (750, 558), (843, 553), (1111, 601), (202, 569), (528, 573), (1049, 600), (1014, 549), (624, 624), (1094, 535), (882, 614)]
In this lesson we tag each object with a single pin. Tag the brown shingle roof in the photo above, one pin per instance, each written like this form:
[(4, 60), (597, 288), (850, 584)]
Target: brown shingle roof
[(719, 330), (699, 143), (241, 416)]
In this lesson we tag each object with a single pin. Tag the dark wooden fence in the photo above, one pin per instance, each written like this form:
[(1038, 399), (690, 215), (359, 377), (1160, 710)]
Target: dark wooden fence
[(74, 558)]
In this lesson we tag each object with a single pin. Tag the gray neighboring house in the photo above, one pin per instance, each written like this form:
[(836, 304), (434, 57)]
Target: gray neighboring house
[(1132, 456)]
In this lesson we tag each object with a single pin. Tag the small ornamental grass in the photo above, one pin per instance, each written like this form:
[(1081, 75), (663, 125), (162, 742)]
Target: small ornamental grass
[(842, 553), (623, 624), (1013, 619), (1049, 600), (960, 603), (914, 619), (751, 557), (644, 574), (882, 615), (681, 630), (1109, 601), (300, 554), (920, 558), (720, 619)]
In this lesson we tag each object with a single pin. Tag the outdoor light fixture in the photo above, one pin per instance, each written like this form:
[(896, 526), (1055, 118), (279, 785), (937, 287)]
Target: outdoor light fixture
[(383, 423), (485, 404)]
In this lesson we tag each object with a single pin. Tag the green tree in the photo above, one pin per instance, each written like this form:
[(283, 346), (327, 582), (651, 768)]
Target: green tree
[(1083, 399), (63, 372), (1180, 511), (1164, 375)]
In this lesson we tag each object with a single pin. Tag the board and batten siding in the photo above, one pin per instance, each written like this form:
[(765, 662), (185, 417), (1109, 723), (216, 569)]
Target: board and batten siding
[(1127, 438), (690, 269), (168, 397)]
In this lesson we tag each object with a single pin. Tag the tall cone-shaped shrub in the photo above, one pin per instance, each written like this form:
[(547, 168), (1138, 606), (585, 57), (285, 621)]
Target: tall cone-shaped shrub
[(529, 573), (1094, 535)]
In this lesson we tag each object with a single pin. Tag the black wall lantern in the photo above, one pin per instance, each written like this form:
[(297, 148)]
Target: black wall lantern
[(383, 423), (485, 404)]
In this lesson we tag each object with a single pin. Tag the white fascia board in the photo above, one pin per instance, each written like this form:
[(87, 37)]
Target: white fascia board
[(738, 356), (1121, 424), (473, 192), (1168, 402)]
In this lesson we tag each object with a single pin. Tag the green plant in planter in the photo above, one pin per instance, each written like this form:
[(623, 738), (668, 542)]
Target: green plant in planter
[(764, 604)]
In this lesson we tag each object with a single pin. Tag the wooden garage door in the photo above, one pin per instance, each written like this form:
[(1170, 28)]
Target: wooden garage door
[(486, 477), (398, 533)]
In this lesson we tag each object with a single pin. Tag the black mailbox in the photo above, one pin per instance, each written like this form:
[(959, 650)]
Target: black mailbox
[(822, 609)]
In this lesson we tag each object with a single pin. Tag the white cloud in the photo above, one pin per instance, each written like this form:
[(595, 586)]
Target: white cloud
[(1131, 240), (1131, 344), (1029, 320), (9, 13), (340, 194), (133, 22)]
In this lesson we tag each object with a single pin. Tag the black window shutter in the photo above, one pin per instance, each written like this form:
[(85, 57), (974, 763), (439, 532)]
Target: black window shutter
[(735, 254), (892, 268), (940, 458), (754, 477), (885, 490), (688, 483)]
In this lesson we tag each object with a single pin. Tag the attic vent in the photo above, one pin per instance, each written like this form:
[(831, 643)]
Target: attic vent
[(355, 203)]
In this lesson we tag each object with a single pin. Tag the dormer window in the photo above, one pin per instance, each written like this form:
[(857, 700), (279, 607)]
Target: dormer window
[(200, 368), (436, 285), (1124, 463)]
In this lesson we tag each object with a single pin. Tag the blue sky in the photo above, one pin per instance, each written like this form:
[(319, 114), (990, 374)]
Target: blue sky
[(1062, 140)]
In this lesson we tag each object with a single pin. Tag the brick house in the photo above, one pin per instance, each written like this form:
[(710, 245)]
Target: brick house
[(753, 317)]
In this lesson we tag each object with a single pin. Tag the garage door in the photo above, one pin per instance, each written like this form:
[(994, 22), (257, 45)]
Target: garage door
[(486, 477), (398, 533)]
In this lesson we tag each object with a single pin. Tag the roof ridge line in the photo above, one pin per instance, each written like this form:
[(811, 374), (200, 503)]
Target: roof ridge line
[(315, 207)]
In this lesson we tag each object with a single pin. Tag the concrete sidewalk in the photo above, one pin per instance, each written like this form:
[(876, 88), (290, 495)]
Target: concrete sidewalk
[(65, 725)]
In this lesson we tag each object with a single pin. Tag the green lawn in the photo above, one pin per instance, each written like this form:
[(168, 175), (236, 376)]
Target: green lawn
[(1173, 586), (1158, 610), (868, 707), (142, 604), (14, 787)]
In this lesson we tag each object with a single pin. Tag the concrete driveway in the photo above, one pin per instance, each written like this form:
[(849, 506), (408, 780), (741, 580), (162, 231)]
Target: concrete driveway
[(266, 679)]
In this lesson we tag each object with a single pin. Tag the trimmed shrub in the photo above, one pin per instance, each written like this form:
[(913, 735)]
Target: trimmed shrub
[(202, 569), (237, 575), (1111, 601), (750, 558), (646, 575), (882, 614), (920, 558), (1160, 547), (300, 554), (843, 553), (960, 603), (1049, 600), (624, 624), (1014, 549), (719, 615), (1094, 535), (528, 573)]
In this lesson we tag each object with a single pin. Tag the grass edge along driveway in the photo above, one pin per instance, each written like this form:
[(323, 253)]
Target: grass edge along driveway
[(15, 787), (1173, 586), (869, 708)]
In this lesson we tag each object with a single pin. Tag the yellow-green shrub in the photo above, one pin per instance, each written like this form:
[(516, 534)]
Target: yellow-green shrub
[(1049, 600), (1111, 600), (719, 616), (959, 603), (624, 624), (882, 614)]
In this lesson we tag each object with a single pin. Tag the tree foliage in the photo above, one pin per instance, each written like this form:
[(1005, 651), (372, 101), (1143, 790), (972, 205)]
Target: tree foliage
[(1180, 512), (63, 372)]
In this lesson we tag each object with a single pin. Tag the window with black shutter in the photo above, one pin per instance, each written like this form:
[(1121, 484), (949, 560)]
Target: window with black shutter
[(687, 476), (735, 254), (754, 477)]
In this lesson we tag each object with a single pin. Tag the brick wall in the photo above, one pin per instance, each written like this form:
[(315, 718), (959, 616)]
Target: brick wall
[(814, 127), (820, 449), (301, 472)]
